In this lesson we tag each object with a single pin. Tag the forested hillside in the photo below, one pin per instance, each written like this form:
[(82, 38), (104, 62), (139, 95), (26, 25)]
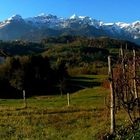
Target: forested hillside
[(13, 48), (46, 67)]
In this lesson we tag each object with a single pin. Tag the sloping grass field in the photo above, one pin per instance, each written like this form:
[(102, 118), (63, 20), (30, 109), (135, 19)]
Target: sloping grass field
[(50, 118)]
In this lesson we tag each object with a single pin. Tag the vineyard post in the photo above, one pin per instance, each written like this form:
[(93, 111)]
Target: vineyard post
[(135, 84), (112, 102), (122, 57), (134, 67)]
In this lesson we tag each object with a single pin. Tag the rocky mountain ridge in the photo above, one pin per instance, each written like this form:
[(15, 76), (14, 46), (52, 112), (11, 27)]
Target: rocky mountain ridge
[(43, 25)]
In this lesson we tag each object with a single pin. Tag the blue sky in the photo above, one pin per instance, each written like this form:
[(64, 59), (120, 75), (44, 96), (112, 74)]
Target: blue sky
[(105, 10)]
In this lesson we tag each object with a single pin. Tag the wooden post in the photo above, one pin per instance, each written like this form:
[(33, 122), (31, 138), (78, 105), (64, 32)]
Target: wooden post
[(134, 81), (121, 51), (125, 88), (24, 99), (112, 102), (123, 64), (68, 99), (134, 67)]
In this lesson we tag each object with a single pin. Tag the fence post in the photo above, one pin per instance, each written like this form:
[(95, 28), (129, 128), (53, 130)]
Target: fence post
[(68, 99), (24, 99)]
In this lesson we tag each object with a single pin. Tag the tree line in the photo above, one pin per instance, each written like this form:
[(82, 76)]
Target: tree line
[(33, 74)]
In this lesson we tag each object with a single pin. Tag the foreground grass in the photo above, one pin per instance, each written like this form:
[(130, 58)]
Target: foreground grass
[(49, 117)]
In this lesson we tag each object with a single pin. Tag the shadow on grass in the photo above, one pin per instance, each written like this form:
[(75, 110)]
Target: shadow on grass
[(78, 83), (82, 78)]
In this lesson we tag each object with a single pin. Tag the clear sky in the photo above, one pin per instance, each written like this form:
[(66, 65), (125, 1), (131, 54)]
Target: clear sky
[(105, 10)]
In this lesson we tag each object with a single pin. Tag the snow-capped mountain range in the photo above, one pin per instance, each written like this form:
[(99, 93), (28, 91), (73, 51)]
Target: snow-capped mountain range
[(41, 26)]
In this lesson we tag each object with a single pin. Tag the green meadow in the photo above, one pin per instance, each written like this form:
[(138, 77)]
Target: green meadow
[(50, 118)]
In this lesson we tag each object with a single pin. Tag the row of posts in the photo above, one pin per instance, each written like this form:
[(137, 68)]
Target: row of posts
[(25, 101), (112, 97)]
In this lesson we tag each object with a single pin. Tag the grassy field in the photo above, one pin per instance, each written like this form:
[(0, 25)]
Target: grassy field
[(50, 118)]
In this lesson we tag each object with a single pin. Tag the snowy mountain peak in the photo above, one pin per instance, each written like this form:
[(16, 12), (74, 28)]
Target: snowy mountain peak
[(123, 24), (43, 19), (74, 16), (136, 23), (15, 18), (42, 15), (82, 17), (109, 24)]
